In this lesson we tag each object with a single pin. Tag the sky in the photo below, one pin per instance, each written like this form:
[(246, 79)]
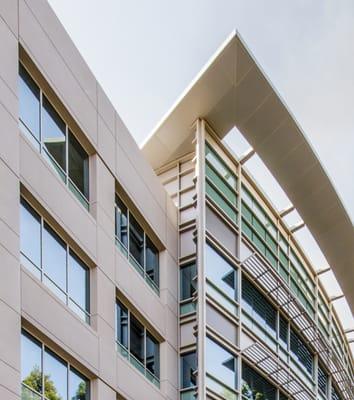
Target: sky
[(144, 53)]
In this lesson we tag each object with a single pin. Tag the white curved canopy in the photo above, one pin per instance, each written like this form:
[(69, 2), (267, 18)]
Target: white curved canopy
[(233, 91)]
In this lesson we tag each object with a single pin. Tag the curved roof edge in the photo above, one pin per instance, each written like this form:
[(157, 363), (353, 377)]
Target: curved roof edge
[(232, 90)]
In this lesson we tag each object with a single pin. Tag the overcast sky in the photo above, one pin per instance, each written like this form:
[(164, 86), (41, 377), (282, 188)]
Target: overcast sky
[(144, 53)]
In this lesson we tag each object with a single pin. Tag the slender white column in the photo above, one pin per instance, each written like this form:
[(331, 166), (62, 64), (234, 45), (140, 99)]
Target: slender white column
[(200, 171)]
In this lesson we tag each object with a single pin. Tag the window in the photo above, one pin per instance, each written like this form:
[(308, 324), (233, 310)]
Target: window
[(121, 228), (300, 352), (221, 279), (44, 375), (135, 244), (122, 325), (322, 380), (255, 387), (42, 124), (259, 315), (221, 370), (335, 394), (187, 287), (46, 255), (137, 344), (188, 368), (29, 103), (220, 183)]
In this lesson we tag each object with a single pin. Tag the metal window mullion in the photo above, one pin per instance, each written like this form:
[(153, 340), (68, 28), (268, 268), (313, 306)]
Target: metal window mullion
[(67, 154), (41, 248), (67, 380), (67, 275), (128, 231), (128, 331), (145, 349), (144, 253), (42, 360), (40, 120)]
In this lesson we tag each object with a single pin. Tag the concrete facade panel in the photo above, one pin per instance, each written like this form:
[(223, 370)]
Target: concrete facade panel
[(49, 61)]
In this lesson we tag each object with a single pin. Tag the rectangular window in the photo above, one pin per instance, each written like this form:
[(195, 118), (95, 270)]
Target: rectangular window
[(137, 344), (42, 124), (220, 183), (187, 287), (255, 387), (188, 369), (135, 244), (259, 309), (300, 352), (29, 106), (44, 375), (221, 370), (322, 380), (46, 255), (221, 279)]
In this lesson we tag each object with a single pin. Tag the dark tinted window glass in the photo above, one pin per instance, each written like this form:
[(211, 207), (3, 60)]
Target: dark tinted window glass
[(78, 282), (79, 387), (78, 165), (258, 307), (29, 103), (137, 347), (122, 324), (136, 240), (30, 235), (54, 260), (220, 272), (322, 380), (283, 331), (152, 261), (300, 352), (188, 285), (54, 135), (31, 365), (121, 221), (255, 387), (55, 377), (152, 355), (188, 367)]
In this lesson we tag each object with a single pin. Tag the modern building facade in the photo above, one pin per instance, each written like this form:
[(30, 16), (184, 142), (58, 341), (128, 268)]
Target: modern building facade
[(164, 273)]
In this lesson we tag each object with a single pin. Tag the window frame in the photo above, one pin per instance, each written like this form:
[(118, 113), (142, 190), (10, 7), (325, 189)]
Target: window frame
[(125, 250), (69, 368), (40, 273), (125, 351), (63, 174)]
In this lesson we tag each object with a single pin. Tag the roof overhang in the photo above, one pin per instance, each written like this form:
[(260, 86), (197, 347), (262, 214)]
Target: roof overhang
[(232, 90)]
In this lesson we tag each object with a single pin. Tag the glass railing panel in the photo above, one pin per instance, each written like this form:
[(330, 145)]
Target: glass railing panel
[(77, 193), (27, 263), (28, 394), (221, 298), (220, 202), (219, 388), (121, 247), (136, 265), (186, 308), (188, 394)]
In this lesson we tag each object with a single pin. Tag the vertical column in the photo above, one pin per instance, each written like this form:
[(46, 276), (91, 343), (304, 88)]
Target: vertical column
[(103, 277), (201, 312), (10, 289)]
